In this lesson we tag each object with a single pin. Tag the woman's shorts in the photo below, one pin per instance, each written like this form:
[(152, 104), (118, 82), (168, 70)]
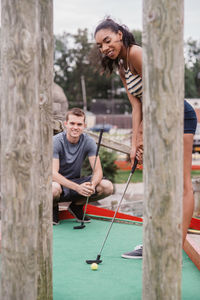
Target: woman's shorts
[(190, 118)]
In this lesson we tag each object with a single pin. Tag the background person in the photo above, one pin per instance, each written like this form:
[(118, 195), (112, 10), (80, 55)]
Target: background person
[(70, 148), (120, 51)]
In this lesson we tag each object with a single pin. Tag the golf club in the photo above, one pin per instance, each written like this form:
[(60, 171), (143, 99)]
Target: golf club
[(97, 152), (98, 260)]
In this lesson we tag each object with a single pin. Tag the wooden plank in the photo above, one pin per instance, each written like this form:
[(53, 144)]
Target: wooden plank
[(192, 248), (111, 144)]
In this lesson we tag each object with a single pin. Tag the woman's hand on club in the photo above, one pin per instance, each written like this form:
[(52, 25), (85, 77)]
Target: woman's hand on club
[(132, 154), (139, 155), (136, 153)]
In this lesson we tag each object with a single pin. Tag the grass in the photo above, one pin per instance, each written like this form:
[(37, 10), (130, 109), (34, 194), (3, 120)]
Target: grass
[(195, 173), (122, 176)]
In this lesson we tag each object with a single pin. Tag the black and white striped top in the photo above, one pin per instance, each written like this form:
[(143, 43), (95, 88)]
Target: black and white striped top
[(134, 84)]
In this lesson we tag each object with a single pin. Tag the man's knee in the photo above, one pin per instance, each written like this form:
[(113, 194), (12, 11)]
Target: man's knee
[(105, 187), (56, 189)]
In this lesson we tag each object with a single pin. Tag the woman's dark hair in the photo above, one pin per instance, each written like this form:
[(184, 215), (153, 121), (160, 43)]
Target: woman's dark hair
[(128, 40)]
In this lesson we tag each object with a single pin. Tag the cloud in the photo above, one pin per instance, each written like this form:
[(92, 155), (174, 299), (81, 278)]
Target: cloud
[(70, 16)]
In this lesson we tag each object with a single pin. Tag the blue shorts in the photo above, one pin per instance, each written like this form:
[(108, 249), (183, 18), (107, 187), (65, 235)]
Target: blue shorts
[(71, 195), (190, 118)]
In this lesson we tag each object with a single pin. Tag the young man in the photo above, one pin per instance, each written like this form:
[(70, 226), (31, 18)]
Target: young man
[(70, 148)]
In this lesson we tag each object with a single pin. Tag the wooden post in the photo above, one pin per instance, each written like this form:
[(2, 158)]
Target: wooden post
[(26, 150), (45, 141), (163, 73)]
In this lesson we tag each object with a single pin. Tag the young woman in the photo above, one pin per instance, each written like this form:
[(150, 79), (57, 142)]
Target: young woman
[(119, 51)]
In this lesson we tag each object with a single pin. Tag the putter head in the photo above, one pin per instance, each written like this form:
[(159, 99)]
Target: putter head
[(80, 226), (97, 260)]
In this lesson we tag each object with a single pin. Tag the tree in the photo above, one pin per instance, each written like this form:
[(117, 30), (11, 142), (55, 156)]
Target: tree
[(192, 69), (190, 84), (138, 36), (72, 63), (76, 56)]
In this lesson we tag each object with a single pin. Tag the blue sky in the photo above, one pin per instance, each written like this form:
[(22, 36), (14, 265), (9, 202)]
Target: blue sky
[(71, 15)]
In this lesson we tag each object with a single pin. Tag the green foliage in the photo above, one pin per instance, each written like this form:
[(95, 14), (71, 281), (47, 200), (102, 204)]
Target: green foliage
[(76, 56), (190, 85), (107, 161), (138, 36), (192, 69), (80, 59), (109, 167)]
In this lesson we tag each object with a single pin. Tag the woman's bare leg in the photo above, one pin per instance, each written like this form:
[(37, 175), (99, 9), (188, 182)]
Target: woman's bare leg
[(188, 197)]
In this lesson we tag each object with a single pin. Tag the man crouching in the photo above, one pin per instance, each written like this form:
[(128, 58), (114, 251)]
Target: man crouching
[(70, 148)]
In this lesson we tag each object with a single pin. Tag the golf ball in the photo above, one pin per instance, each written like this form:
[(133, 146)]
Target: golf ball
[(94, 266)]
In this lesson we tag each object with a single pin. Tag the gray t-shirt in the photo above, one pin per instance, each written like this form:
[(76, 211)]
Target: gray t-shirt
[(71, 156)]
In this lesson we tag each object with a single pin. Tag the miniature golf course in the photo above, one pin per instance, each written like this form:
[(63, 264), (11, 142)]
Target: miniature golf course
[(116, 278)]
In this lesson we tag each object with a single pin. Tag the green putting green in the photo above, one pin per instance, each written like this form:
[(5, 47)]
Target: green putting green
[(116, 278)]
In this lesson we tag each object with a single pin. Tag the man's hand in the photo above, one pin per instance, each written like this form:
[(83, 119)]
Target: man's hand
[(86, 189)]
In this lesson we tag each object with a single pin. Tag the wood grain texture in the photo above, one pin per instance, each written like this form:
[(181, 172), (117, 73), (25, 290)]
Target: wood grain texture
[(163, 73), (22, 153), (111, 144), (192, 248), (45, 164)]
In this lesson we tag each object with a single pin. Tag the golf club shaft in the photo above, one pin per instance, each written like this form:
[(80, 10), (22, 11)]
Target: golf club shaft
[(97, 152), (128, 181)]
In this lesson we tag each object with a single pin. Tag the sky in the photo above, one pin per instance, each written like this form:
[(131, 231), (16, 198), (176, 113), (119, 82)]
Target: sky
[(69, 16)]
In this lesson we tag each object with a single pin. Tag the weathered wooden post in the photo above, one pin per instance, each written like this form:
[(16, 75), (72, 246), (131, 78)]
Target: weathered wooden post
[(27, 52), (45, 166), (163, 73)]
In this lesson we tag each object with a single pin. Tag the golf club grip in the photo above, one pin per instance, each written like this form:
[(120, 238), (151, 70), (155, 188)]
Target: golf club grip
[(99, 141), (134, 166)]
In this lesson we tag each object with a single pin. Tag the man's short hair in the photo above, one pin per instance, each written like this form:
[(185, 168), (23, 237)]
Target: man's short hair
[(76, 112)]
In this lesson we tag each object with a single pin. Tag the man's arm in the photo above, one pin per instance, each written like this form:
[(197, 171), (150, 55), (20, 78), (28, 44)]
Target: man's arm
[(98, 173), (57, 177), (60, 178)]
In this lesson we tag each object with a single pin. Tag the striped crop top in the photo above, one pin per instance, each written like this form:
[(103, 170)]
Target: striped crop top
[(134, 83)]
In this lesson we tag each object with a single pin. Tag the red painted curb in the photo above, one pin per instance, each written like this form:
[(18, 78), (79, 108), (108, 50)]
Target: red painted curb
[(100, 212), (103, 212)]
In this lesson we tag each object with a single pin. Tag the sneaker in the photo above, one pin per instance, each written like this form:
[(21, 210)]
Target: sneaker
[(56, 215), (136, 253), (77, 212)]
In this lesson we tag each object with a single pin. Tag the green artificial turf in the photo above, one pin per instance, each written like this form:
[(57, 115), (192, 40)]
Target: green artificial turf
[(116, 278), (73, 278)]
